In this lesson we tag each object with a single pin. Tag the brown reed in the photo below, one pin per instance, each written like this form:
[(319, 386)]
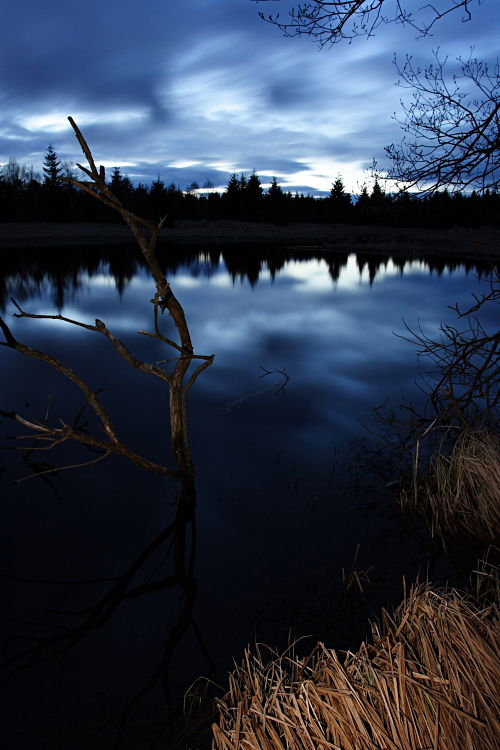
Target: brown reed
[(460, 492), (429, 680)]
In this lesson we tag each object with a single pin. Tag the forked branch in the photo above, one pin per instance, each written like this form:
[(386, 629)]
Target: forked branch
[(146, 235), (144, 232), (42, 430), (331, 21)]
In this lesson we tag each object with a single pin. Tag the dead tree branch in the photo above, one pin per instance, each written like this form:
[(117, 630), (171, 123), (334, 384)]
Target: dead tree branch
[(329, 22), (46, 436), (146, 235), (451, 127), (144, 232), (44, 431), (461, 385)]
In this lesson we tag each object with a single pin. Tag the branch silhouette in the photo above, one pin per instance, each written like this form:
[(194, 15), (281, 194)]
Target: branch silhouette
[(178, 539), (332, 21), (164, 299)]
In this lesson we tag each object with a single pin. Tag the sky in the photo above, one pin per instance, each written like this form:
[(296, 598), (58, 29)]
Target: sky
[(194, 90)]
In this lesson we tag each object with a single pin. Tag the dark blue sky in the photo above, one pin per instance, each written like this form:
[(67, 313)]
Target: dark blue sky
[(197, 89)]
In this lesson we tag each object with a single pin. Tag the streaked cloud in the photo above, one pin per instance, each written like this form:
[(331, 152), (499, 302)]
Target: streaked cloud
[(196, 90)]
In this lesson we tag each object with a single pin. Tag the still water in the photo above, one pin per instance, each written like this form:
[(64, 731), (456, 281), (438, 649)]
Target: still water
[(305, 347)]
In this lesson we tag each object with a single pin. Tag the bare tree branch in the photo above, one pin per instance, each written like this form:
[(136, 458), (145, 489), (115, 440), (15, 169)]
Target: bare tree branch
[(146, 235), (451, 126), (66, 432), (57, 469), (146, 240), (331, 21), (493, 295), (47, 436)]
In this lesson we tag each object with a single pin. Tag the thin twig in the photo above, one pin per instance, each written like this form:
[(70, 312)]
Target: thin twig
[(57, 469)]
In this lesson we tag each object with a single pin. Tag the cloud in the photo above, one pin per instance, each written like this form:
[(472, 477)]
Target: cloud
[(206, 83)]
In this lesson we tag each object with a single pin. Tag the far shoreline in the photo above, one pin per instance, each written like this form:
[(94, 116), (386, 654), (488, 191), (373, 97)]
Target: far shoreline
[(475, 243)]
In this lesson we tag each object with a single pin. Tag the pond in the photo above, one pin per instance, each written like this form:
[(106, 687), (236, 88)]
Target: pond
[(291, 539)]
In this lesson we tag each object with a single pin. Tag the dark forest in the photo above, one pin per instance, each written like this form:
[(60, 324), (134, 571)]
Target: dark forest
[(25, 196)]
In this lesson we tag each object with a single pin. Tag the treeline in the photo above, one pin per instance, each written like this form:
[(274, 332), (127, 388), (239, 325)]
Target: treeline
[(24, 196)]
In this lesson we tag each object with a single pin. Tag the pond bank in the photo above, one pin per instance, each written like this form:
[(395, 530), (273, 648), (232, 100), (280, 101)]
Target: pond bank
[(458, 241), (429, 678)]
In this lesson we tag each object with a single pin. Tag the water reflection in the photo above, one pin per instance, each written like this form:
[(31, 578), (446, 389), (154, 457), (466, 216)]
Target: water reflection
[(145, 576), (49, 434), (277, 517), (63, 272)]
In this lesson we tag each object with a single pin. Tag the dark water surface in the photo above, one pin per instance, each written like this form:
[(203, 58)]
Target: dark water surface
[(280, 513)]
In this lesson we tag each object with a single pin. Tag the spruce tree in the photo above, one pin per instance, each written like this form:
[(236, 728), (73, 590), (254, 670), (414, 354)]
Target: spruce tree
[(252, 198), (274, 190), (157, 199), (232, 197), (340, 202), (122, 186), (276, 203), (116, 179), (254, 187), (53, 205), (52, 168), (362, 206), (379, 202)]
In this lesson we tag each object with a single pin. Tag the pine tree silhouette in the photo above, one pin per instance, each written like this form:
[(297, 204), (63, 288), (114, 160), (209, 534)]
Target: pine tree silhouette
[(339, 203), (52, 168)]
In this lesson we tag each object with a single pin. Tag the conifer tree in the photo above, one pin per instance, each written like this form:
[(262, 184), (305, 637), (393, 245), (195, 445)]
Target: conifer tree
[(116, 179), (232, 197), (254, 187), (339, 202), (379, 202), (157, 199), (362, 205), (274, 189), (232, 186), (252, 198), (52, 205), (276, 203), (52, 168), (121, 186)]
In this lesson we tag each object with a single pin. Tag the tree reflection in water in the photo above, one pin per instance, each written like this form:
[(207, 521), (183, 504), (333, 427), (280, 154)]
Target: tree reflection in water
[(177, 542), (63, 269)]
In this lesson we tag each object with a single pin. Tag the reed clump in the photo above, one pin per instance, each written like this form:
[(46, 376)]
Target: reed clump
[(429, 679), (460, 491)]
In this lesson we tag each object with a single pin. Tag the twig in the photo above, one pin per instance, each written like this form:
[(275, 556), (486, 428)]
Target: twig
[(57, 469)]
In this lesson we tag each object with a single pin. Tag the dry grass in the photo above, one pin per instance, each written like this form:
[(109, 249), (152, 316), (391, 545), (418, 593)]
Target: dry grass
[(430, 680), (356, 578), (485, 578), (460, 492)]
